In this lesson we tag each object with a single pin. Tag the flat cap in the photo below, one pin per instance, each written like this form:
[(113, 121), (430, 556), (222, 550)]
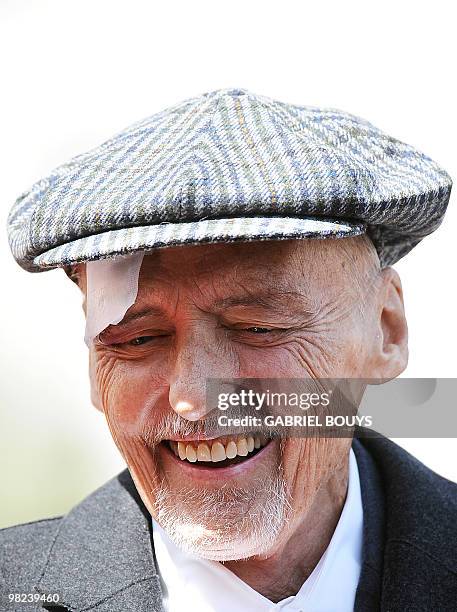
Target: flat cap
[(226, 166)]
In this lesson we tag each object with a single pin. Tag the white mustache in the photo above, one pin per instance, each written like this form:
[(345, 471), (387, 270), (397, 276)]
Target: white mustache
[(172, 425)]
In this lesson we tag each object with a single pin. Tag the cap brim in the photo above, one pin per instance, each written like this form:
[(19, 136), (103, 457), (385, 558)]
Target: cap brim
[(242, 229)]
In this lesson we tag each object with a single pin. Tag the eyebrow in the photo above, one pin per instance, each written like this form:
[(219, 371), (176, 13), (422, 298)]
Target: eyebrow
[(294, 300), (141, 314)]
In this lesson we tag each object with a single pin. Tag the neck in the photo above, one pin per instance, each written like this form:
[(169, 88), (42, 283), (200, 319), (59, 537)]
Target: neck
[(300, 548)]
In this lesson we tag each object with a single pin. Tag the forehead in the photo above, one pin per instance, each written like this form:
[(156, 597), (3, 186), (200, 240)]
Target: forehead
[(260, 257), (221, 269), (317, 268), (207, 260)]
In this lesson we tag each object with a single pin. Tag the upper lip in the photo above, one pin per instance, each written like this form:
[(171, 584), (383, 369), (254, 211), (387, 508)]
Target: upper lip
[(202, 437), (192, 438)]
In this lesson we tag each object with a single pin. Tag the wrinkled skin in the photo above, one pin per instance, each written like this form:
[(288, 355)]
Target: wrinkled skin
[(316, 308)]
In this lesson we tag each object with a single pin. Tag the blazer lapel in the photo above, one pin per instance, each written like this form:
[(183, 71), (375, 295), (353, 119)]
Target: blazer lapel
[(408, 558), (103, 556), (368, 595)]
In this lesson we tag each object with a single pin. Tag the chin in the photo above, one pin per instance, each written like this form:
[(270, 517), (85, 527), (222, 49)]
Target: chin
[(221, 545), (225, 524)]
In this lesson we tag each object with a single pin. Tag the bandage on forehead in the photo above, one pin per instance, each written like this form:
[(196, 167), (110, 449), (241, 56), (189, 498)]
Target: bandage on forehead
[(112, 287)]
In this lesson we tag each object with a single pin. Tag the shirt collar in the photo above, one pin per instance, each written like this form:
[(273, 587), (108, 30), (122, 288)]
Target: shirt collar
[(211, 586)]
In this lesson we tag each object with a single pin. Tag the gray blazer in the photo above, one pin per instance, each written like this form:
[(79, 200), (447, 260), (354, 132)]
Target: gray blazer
[(100, 556)]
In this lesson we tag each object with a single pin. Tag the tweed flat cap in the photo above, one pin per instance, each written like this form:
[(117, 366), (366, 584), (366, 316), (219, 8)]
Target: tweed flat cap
[(230, 165)]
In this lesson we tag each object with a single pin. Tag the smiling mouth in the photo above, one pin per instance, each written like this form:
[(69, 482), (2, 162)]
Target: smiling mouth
[(220, 452)]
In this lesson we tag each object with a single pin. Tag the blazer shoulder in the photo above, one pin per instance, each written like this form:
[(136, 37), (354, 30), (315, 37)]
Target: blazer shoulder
[(24, 550), (421, 506)]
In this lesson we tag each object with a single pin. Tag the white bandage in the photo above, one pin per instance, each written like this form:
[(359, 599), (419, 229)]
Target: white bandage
[(112, 287)]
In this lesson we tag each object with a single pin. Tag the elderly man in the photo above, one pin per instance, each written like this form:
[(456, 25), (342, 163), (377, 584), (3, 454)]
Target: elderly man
[(236, 237)]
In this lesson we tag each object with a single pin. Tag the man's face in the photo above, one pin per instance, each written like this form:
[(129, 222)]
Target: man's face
[(286, 309)]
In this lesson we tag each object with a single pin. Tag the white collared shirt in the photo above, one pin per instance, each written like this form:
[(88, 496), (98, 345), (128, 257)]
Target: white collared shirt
[(193, 584)]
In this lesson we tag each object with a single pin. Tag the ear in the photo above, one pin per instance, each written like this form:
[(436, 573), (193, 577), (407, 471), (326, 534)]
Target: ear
[(94, 394), (391, 347)]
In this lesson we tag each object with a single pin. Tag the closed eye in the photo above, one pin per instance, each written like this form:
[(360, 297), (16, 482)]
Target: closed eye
[(141, 340), (256, 330), (133, 342)]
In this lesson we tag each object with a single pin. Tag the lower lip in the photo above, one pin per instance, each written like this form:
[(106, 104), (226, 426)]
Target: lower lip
[(203, 472)]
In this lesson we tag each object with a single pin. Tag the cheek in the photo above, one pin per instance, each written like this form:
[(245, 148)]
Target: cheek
[(356, 355), (324, 354), (316, 356), (308, 464), (134, 399), (333, 353), (266, 362), (131, 394)]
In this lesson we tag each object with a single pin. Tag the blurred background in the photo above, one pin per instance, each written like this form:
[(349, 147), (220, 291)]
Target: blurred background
[(75, 72)]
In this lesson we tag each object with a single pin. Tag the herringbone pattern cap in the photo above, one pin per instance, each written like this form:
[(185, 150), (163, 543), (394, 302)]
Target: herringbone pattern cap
[(227, 166)]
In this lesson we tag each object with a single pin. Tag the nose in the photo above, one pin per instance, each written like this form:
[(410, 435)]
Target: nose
[(198, 358)]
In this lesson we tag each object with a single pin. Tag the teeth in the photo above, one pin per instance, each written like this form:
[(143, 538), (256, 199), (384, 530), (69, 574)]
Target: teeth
[(181, 450), (231, 450), (242, 446), (217, 450), (203, 452), (191, 455)]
